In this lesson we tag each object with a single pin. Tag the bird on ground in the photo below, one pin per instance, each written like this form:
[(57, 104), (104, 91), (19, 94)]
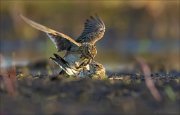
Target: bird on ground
[(81, 51), (95, 71)]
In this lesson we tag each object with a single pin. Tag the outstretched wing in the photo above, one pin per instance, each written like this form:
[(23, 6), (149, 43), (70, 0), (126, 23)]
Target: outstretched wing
[(60, 43), (61, 40), (94, 29)]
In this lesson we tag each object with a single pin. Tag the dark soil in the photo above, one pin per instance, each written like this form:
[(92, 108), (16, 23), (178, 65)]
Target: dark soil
[(43, 94)]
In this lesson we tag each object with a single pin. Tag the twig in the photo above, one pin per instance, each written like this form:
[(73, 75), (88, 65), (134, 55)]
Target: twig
[(9, 78), (149, 82)]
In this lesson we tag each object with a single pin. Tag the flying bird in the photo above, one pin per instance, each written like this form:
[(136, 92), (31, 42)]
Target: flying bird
[(80, 51)]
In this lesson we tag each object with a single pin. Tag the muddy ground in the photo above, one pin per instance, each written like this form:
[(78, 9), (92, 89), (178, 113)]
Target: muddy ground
[(52, 94)]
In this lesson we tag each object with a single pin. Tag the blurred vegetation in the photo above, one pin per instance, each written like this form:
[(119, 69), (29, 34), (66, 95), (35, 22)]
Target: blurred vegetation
[(145, 28), (148, 19)]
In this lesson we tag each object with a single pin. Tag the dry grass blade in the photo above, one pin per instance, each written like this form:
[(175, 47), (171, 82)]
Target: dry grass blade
[(9, 78), (116, 78), (149, 82)]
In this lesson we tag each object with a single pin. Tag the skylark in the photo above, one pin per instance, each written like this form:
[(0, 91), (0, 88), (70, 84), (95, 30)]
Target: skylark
[(95, 70), (79, 52)]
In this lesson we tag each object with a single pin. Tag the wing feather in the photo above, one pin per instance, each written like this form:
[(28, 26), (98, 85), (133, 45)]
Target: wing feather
[(61, 40), (60, 43), (94, 29)]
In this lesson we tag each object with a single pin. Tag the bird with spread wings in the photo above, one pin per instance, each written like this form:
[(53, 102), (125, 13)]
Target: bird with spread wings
[(81, 51)]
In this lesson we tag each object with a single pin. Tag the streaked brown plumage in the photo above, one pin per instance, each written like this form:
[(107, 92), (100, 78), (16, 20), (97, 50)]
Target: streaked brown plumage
[(81, 51), (95, 70)]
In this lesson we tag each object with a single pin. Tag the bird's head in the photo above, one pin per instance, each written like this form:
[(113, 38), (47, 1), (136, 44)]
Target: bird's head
[(98, 70)]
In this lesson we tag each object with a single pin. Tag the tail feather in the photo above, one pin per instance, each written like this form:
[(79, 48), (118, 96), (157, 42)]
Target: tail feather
[(60, 58), (63, 64)]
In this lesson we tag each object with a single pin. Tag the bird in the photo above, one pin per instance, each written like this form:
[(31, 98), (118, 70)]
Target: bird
[(95, 70), (80, 51)]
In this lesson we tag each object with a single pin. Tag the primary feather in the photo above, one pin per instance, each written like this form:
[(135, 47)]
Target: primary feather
[(94, 29), (57, 37)]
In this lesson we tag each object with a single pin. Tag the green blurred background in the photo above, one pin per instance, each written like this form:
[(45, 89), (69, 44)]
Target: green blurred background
[(148, 29)]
